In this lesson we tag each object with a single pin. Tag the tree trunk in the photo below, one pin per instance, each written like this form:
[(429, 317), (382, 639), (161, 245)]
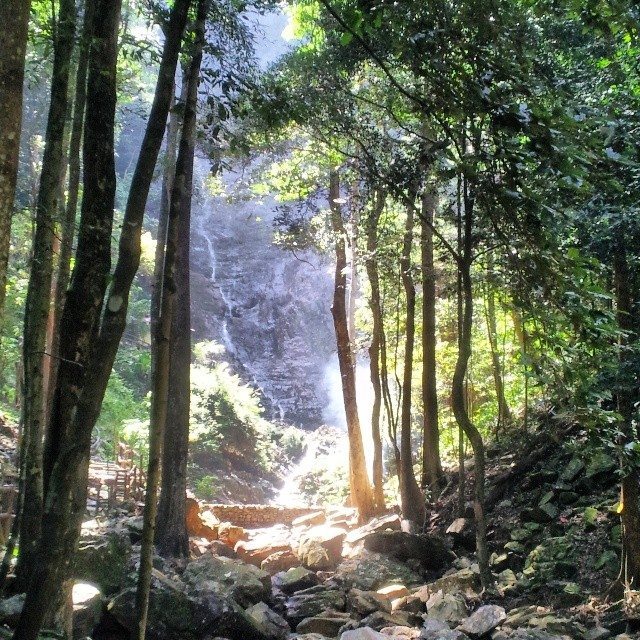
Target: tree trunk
[(70, 212), (458, 402), (179, 209), (38, 293), (377, 338), (504, 413), (172, 538), (629, 494), (431, 463), (14, 18), (411, 498), (361, 492), (66, 498)]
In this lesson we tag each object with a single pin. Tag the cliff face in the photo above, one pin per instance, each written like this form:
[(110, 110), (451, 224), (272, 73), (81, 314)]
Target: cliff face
[(268, 308)]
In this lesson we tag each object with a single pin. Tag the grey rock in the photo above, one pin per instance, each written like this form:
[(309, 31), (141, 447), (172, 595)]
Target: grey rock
[(370, 571), (87, 609), (10, 609), (447, 607), (327, 625), (245, 583), (308, 605), (104, 558), (366, 602), (364, 633), (295, 579), (429, 550), (269, 621), (483, 620)]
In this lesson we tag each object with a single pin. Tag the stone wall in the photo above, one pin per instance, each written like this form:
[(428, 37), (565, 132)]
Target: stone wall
[(254, 516)]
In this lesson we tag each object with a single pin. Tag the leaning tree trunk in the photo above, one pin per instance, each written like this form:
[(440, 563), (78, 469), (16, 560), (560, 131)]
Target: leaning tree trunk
[(629, 495), (66, 498), (14, 18), (377, 338), (36, 313), (411, 498), (172, 537), (458, 401), (361, 492), (176, 228), (431, 463)]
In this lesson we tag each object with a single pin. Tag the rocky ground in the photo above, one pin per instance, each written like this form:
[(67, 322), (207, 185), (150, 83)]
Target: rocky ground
[(554, 538)]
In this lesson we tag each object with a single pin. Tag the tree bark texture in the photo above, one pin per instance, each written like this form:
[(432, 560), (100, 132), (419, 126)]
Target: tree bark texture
[(361, 492), (66, 498), (37, 302), (411, 498), (172, 537), (68, 222), (377, 338), (431, 463), (14, 18)]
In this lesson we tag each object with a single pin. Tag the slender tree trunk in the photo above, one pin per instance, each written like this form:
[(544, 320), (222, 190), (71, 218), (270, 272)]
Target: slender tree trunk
[(412, 500), (180, 208), (629, 494), (172, 537), (458, 402), (431, 463), (38, 293), (504, 413), (359, 479), (66, 498), (14, 18), (375, 347), (70, 210)]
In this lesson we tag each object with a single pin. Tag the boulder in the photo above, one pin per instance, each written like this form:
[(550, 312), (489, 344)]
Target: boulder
[(310, 519), (446, 607), (87, 609), (432, 628), (295, 579), (201, 524), (258, 549), (321, 547), (245, 583), (393, 591), (219, 548), (533, 634), (408, 603), (403, 633), (10, 609), (379, 619), (279, 561), (174, 613), (328, 624), (230, 534), (483, 620), (391, 521), (370, 571), (366, 602), (364, 633), (273, 625), (312, 602), (104, 557), (464, 581), (429, 550)]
